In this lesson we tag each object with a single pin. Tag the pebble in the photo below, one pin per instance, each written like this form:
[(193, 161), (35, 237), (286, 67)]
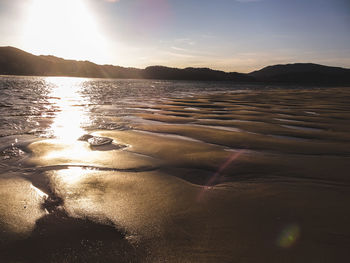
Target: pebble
[(98, 141), (95, 140)]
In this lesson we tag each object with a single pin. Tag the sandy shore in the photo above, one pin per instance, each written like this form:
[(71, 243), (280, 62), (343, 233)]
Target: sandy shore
[(242, 177)]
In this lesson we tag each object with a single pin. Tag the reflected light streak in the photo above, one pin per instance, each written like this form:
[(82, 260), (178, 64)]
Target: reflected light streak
[(70, 115), (73, 150), (72, 175), (39, 192)]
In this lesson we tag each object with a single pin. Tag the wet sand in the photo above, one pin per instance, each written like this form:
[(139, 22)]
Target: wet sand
[(242, 177)]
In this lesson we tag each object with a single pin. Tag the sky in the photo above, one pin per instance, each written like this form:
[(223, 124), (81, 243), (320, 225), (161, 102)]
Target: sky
[(229, 35)]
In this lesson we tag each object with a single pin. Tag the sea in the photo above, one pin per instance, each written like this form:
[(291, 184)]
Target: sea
[(39, 105)]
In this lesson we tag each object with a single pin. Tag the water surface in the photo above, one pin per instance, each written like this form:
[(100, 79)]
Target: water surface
[(197, 171)]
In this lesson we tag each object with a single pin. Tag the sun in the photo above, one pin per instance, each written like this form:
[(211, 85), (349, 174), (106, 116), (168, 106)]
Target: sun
[(64, 28)]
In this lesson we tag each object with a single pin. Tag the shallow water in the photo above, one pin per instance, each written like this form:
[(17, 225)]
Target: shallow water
[(35, 105), (197, 171)]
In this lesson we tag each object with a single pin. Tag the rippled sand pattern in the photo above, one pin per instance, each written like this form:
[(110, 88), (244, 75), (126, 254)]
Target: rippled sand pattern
[(253, 176), (277, 133)]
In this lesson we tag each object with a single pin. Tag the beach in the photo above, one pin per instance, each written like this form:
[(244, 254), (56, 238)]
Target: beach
[(211, 173)]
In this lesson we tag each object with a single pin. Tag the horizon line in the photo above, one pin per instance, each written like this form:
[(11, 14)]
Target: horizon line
[(174, 67)]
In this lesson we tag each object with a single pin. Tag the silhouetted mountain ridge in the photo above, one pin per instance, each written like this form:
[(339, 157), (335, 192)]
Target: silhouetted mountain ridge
[(14, 61), (303, 73), (161, 72)]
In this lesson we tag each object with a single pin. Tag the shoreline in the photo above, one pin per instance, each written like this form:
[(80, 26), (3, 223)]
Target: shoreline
[(296, 85)]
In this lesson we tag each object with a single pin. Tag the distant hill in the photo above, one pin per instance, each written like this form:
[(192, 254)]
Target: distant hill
[(14, 61), (160, 72), (305, 73)]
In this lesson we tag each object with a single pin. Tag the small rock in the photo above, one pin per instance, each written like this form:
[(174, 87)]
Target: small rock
[(11, 152), (98, 141), (85, 137)]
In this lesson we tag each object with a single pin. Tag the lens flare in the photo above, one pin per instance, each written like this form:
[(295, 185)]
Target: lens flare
[(215, 177), (289, 236)]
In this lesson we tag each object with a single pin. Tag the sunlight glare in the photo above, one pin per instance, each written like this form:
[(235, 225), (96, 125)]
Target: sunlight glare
[(64, 28), (40, 193), (70, 115), (72, 175)]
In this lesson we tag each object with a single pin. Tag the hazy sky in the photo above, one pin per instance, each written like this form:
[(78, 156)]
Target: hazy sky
[(232, 35)]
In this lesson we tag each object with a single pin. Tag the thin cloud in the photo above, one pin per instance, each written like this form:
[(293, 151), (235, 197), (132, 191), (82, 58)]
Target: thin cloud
[(180, 49), (181, 55), (187, 41)]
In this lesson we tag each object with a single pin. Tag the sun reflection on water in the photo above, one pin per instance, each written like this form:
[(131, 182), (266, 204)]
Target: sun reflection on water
[(70, 114), (72, 175), (38, 191)]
